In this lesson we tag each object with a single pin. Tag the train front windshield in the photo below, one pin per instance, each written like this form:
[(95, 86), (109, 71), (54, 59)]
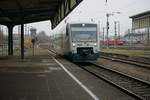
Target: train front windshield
[(84, 34)]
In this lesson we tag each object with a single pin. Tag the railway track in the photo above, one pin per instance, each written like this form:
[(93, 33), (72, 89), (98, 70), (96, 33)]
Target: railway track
[(131, 62), (133, 86), (135, 59)]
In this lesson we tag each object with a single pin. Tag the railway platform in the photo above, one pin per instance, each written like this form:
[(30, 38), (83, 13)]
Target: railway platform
[(46, 78)]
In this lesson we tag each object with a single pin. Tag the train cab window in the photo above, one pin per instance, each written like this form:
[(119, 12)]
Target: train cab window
[(80, 34)]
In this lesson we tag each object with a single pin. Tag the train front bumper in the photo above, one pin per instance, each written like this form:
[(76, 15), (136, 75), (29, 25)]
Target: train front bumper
[(82, 58)]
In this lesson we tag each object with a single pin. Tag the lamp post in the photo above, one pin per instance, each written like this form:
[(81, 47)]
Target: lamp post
[(107, 25)]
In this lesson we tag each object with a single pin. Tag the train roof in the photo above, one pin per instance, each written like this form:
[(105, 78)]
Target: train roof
[(82, 23)]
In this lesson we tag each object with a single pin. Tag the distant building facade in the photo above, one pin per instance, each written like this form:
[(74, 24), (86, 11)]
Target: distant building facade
[(141, 27)]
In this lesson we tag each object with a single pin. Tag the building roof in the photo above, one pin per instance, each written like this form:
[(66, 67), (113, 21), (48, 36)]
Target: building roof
[(27, 11), (141, 15)]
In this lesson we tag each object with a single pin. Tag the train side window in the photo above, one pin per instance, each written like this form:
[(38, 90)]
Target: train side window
[(67, 33)]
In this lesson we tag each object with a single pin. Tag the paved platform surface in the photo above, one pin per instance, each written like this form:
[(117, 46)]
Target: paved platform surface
[(44, 82), (41, 78)]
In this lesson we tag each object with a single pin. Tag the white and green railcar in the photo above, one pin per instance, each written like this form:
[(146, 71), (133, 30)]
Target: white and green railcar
[(78, 41)]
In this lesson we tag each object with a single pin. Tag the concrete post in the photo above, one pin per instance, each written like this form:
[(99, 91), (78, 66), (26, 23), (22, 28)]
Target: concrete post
[(22, 41), (10, 40)]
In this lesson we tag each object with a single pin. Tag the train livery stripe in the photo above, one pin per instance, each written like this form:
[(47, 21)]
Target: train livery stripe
[(76, 80)]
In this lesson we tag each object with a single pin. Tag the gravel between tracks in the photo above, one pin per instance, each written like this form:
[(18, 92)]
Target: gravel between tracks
[(127, 68)]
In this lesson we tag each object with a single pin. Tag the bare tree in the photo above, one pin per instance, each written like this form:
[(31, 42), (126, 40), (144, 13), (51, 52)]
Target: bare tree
[(42, 37)]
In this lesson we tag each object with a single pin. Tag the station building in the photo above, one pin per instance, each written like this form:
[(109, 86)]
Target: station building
[(141, 27)]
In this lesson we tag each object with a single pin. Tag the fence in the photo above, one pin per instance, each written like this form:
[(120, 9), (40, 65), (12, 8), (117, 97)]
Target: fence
[(3, 50)]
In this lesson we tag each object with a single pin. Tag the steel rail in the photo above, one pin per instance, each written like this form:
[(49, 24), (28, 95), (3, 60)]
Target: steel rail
[(121, 73), (131, 62), (129, 92), (123, 57)]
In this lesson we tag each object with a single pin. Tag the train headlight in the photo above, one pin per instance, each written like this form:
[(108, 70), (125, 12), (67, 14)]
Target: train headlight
[(95, 44), (73, 44)]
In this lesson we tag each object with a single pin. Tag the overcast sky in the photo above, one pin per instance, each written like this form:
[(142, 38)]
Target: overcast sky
[(97, 9)]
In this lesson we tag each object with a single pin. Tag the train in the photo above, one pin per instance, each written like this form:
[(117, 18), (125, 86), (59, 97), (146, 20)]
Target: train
[(77, 41), (121, 42), (114, 42)]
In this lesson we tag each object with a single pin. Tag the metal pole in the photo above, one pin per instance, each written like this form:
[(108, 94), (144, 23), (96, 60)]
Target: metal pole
[(118, 30), (103, 35), (28, 32), (115, 29), (99, 34), (129, 38), (107, 29), (132, 35), (22, 41)]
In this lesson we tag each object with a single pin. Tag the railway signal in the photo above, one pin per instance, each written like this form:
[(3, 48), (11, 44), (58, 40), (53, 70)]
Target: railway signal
[(33, 36)]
